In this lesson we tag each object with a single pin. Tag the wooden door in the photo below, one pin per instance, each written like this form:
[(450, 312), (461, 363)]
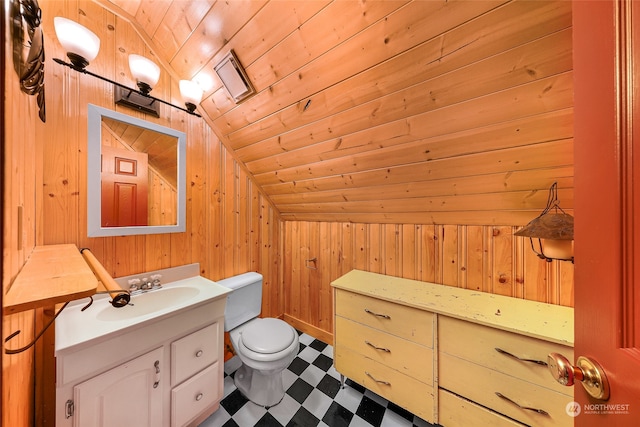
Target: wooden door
[(607, 194), (127, 395), (124, 187)]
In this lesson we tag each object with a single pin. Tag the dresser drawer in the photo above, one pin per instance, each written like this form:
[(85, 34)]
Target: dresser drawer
[(405, 356), (195, 395), (478, 344), (192, 353), (455, 411), (411, 394), (399, 320), (480, 384)]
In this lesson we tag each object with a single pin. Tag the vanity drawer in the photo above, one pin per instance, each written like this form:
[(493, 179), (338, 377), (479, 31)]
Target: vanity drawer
[(400, 320), (411, 394), (193, 352), (194, 396), (478, 344), (480, 384), (405, 356), (455, 411)]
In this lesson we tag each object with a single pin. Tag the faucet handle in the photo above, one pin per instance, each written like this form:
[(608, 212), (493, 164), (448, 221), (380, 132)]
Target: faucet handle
[(134, 284), (155, 280)]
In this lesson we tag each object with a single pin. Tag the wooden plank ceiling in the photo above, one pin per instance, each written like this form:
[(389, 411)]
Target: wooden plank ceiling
[(384, 111)]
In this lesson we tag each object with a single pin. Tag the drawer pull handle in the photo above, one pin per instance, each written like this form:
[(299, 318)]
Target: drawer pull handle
[(198, 353), (157, 369), (378, 381), (386, 350), (199, 397), (384, 316), (539, 411), (506, 353)]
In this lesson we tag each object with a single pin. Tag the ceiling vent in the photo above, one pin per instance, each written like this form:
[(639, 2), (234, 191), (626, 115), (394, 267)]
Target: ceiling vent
[(234, 78)]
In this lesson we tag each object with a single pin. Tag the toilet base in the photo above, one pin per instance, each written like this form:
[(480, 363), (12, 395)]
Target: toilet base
[(264, 390)]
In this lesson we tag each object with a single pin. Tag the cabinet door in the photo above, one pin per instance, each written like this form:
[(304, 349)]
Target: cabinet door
[(127, 395)]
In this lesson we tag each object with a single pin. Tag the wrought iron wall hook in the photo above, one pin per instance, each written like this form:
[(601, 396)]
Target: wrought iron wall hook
[(88, 304), (552, 200), (49, 323), (37, 337)]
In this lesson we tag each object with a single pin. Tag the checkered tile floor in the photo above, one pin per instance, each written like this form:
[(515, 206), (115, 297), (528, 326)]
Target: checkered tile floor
[(313, 398)]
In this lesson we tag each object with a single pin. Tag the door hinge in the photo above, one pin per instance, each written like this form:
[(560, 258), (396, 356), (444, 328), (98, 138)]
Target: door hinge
[(68, 409)]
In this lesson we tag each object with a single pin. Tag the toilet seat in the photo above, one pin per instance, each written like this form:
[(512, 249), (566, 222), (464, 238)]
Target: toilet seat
[(267, 336)]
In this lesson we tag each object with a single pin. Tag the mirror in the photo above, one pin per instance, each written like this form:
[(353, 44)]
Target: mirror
[(136, 176)]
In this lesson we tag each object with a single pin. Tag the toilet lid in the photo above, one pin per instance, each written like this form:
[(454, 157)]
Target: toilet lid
[(268, 336)]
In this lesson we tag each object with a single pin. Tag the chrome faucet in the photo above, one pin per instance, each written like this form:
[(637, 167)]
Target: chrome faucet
[(145, 284)]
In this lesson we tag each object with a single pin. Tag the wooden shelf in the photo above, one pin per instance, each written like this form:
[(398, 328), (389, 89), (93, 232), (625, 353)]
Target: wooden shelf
[(53, 274)]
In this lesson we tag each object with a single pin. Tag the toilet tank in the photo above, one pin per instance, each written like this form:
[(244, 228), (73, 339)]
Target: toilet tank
[(245, 301)]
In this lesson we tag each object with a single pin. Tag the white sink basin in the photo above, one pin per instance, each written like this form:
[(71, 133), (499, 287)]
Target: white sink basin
[(148, 302), (101, 320)]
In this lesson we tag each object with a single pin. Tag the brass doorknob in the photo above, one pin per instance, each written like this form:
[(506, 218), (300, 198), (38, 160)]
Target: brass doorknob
[(587, 371)]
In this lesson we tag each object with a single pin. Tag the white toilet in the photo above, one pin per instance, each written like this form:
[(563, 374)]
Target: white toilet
[(266, 346)]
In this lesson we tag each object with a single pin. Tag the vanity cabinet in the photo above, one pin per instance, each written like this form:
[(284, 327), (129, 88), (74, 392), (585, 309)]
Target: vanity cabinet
[(129, 394), (452, 356), (195, 366), (163, 373)]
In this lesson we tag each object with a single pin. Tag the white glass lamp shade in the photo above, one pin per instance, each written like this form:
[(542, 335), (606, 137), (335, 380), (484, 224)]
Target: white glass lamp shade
[(145, 71), (82, 45), (191, 93), (557, 249)]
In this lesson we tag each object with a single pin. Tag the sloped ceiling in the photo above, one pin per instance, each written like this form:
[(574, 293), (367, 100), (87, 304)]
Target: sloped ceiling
[(384, 111)]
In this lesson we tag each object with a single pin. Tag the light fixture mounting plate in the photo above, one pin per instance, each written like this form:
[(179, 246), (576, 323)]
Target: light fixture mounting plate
[(132, 99)]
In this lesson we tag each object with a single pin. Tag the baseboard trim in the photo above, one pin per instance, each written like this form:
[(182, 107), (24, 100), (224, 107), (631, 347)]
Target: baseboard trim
[(314, 331)]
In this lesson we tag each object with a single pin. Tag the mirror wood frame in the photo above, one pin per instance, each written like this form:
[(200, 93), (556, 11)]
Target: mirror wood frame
[(94, 180)]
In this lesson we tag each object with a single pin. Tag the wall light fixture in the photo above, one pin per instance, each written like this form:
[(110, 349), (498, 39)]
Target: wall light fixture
[(82, 47), (191, 93), (552, 229), (145, 71)]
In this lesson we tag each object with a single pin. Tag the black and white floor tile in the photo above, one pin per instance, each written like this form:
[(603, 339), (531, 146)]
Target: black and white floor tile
[(313, 398)]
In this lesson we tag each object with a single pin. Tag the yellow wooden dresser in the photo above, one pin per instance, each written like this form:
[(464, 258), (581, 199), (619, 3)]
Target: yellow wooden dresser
[(452, 356)]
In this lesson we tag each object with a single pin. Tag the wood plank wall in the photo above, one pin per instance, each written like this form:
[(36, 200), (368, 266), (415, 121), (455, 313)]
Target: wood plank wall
[(22, 172), (484, 258), (228, 219), (231, 228)]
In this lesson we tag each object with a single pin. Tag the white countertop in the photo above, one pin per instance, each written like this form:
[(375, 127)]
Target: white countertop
[(75, 327)]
